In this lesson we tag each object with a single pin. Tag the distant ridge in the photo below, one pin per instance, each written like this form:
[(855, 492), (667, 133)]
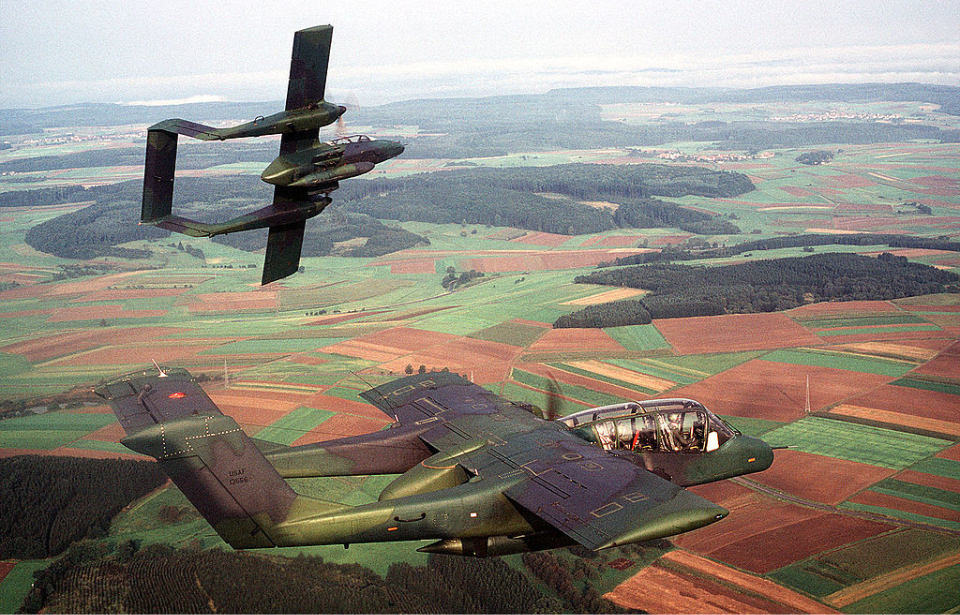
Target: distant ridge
[(25, 121)]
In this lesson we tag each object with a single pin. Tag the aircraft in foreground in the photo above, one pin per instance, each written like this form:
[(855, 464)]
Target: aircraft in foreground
[(479, 475), (304, 173)]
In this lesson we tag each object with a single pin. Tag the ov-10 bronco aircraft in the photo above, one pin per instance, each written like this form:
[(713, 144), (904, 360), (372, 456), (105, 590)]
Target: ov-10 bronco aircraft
[(479, 475), (304, 173)]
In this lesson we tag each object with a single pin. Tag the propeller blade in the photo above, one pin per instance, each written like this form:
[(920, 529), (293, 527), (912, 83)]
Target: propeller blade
[(553, 399)]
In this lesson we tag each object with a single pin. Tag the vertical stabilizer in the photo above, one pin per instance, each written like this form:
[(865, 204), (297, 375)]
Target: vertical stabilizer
[(159, 167), (308, 66), (207, 455), (284, 244)]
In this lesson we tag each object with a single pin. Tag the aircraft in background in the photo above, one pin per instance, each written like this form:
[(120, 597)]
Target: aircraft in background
[(304, 173), (479, 475)]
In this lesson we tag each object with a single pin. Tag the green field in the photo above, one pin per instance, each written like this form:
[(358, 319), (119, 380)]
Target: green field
[(853, 442), (14, 587), (638, 338), (832, 571), (840, 360), (292, 426), (280, 343)]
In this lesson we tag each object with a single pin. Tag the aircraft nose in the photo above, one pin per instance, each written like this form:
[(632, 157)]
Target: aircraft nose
[(759, 453), (394, 149)]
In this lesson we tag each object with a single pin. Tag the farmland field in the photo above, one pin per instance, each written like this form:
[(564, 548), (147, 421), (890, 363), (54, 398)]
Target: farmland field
[(862, 516)]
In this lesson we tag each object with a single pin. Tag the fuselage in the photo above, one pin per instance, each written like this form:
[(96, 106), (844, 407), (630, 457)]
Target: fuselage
[(326, 163)]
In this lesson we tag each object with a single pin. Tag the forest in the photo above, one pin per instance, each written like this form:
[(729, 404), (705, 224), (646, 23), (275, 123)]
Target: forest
[(159, 579), (50, 502), (679, 291), (669, 254), (498, 197), (333, 227)]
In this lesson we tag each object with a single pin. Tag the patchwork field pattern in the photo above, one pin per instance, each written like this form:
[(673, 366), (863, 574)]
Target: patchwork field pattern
[(862, 516)]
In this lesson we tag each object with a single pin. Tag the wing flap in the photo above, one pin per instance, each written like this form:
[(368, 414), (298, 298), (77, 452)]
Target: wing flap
[(602, 501)]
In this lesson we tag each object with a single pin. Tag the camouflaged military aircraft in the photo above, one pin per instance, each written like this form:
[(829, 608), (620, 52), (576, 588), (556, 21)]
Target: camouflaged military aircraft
[(304, 173), (478, 474)]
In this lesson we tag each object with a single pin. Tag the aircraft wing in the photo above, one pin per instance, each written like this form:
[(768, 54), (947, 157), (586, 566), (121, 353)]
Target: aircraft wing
[(598, 498), (308, 66)]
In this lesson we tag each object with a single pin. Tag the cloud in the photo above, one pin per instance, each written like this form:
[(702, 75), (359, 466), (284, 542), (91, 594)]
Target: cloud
[(199, 98), (382, 83)]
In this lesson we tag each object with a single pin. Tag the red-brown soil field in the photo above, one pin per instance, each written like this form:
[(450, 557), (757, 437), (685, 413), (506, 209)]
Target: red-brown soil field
[(5, 568), (743, 539), (341, 426), (543, 239), (914, 402), (818, 478), (945, 365), (345, 406), (872, 498), (930, 480), (733, 333), (122, 294), (125, 355), (681, 582), (481, 360), (96, 312), (952, 453), (43, 348), (548, 260), (777, 391), (565, 377), (842, 309)]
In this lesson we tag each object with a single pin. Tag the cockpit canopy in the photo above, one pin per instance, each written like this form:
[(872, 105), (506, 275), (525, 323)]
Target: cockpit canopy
[(351, 139), (656, 425)]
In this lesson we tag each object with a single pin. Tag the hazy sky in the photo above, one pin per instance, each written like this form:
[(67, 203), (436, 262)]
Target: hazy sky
[(61, 52)]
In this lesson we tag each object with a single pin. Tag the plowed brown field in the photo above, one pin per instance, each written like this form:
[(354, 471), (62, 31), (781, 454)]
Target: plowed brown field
[(43, 348), (777, 391), (755, 523), (734, 333), (818, 478), (872, 498), (910, 401), (682, 582)]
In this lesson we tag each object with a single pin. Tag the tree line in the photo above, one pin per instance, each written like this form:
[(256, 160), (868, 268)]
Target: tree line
[(51, 502), (159, 579), (670, 254), (497, 197), (680, 291)]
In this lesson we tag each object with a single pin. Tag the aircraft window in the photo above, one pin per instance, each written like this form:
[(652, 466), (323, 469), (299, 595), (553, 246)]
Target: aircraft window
[(606, 434), (638, 433), (682, 431)]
